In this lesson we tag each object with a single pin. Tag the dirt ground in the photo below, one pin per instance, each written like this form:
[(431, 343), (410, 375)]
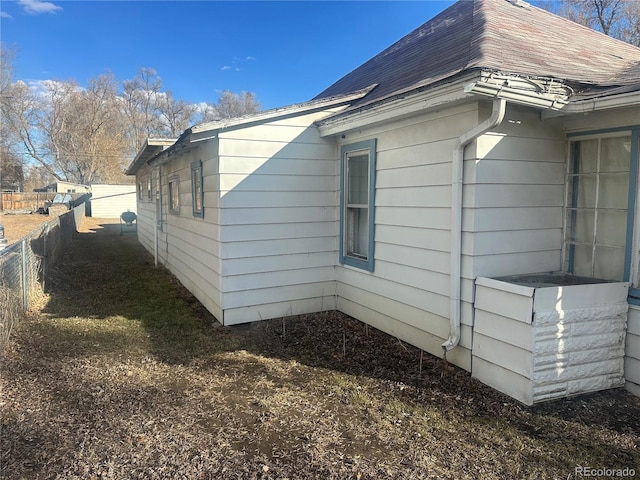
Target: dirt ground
[(19, 225), (120, 373)]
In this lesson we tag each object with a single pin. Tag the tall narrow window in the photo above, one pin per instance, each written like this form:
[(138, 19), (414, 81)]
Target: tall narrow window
[(197, 193), (174, 194), (357, 197), (599, 226), (149, 185)]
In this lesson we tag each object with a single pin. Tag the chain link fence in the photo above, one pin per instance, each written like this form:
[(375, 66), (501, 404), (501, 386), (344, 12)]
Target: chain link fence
[(25, 264)]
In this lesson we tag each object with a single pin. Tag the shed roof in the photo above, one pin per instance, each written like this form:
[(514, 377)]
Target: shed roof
[(508, 36)]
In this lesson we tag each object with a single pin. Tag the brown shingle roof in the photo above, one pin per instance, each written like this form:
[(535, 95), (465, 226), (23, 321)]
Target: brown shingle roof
[(495, 35)]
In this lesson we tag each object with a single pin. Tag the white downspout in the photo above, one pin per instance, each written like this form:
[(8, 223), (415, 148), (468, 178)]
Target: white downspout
[(499, 107)]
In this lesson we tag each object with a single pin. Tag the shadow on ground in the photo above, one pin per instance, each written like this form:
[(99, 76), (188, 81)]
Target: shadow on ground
[(109, 274)]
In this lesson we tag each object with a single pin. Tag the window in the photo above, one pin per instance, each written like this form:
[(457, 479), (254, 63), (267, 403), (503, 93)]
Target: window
[(357, 194), (140, 195), (600, 205), (174, 194), (197, 192), (149, 199)]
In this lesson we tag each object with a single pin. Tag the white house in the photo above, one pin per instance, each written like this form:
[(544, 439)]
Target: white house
[(471, 190)]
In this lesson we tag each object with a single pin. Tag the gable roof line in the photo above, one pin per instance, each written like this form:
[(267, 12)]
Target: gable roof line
[(282, 112)]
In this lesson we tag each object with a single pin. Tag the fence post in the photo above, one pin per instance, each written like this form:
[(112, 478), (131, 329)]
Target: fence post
[(44, 256), (24, 275)]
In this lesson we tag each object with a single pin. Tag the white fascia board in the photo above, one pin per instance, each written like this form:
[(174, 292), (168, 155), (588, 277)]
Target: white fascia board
[(594, 104), (410, 104)]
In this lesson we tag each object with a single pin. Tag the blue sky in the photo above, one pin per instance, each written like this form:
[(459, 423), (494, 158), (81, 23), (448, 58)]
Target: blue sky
[(284, 52)]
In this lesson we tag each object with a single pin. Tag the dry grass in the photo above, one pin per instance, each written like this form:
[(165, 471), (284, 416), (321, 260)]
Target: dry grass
[(17, 226), (122, 374)]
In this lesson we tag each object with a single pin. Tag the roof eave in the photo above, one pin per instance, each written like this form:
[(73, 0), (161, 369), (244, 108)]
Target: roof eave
[(151, 148), (582, 106), (397, 106)]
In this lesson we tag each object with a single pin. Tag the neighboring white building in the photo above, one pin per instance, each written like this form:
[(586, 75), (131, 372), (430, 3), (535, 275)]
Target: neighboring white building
[(460, 155), (110, 201), (65, 187)]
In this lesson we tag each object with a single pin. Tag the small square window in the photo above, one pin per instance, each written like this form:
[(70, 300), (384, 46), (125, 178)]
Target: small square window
[(197, 192), (174, 194)]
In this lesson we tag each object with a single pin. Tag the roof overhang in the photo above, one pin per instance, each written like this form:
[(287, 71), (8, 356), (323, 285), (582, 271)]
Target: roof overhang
[(586, 104), (404, 105), (151, 148)]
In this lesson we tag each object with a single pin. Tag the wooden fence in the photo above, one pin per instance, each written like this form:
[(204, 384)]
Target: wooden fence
[(28, 202)]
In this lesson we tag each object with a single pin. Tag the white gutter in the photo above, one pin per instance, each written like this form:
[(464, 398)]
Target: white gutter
[(455, 275)]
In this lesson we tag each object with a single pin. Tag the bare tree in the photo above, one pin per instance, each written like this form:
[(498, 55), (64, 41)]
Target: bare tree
[(231, 105), (73, 134), (65, 132), (90, 141), (11, 165), (617, 18), (139, 97), (177, 115)]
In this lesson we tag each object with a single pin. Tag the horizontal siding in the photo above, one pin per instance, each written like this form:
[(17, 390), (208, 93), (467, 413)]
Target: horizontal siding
[(439, 240), (514, 197), (516, 263), (278, 215), (522, 218), (515, 172), (252, 232), (280, 278), (290, 293), (511, 241), (277, 199), (276, 183), (283, 246), (190, 246), (632, 351), (407, 295), (264, 311)]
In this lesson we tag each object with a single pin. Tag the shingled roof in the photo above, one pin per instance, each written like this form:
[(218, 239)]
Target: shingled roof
[(507, 36)]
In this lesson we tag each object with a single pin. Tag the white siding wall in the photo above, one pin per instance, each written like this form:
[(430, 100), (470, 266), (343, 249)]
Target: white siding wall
[(408, 293), (110, 201), (632, 351), (514, 197), (278, 219), (190, 245), (145, 210)]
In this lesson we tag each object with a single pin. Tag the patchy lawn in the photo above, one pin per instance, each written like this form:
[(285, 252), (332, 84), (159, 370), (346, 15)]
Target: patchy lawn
[(17, 226), (122, 374)]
